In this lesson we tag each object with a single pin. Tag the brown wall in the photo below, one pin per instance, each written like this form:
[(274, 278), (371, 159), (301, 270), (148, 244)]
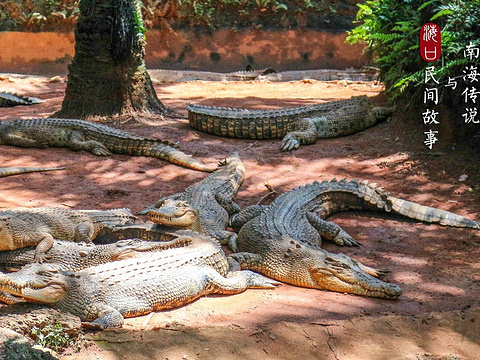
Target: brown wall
[(225, 50)]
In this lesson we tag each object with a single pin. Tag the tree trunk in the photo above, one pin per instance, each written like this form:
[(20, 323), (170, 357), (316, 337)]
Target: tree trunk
[(107, 76)]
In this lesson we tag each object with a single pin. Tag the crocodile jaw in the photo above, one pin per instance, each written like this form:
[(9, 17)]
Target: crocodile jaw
[(48, 295), (341, 273), (34, 286), (174, 213)]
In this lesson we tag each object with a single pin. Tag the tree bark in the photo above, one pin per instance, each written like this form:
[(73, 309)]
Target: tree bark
[(107, 77)]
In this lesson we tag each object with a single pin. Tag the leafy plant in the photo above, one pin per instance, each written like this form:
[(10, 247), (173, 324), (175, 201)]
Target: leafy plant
[(139, 25), (390, 29), (36, 15), (53, 337)]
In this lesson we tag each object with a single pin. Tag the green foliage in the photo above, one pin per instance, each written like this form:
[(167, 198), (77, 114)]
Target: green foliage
[(36, 15), (39, 15), (53, 337), (391, 30), (140, 29)]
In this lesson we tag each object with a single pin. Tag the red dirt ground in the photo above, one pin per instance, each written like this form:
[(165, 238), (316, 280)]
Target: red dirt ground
[(438, 314)]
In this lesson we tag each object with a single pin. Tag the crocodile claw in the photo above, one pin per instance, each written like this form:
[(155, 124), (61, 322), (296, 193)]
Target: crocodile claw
[(101, 151), (290, 143), (343, 239), (257, 281)]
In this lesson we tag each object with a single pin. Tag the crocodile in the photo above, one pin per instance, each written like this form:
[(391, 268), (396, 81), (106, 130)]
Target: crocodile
[(205, 206), (99, 139), (67, 255), (9, 171), (296, 125), (102, 296), (39, 226), (162, 75), (285, 237), (8, 99), (147, 232)]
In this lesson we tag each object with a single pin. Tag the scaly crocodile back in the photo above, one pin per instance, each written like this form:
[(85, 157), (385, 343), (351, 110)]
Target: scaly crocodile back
[(203, 250), (8, 99), (259, 124)]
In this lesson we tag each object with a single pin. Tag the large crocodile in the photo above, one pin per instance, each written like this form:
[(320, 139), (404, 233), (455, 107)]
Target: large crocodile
[(39, 226), (96, 138), (285, 236), (8, 99), (296, 125), (9, 171), (103, 295), (206, 206), (162, 75), (67, 255)]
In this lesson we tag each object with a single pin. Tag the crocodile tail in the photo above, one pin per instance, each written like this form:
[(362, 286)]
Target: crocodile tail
[(429, 214), (10, 99), (8, 171), (175, 156), (161, 150), (377, 197)]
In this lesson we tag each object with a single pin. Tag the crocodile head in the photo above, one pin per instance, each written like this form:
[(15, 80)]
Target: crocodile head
[(35, 282), (339, 272), (174, 213)]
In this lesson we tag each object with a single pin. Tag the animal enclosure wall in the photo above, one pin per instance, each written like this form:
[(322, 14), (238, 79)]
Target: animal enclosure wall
[(222, 50)]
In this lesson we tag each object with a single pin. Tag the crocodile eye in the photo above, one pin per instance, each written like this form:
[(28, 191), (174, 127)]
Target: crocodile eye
[(46, 272), (160, 203)]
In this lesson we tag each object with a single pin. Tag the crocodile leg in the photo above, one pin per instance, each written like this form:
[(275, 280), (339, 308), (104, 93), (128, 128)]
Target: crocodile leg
[(244, 216), (228, 204), (248, 260), (330, 231), (305, 133), (228, 238), (84, 232), (383, 112), (43, 246), (107, 317), (77, 142), (237, 282)]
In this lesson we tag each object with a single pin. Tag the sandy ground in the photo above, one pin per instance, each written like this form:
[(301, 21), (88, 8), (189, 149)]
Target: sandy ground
[(438, 314)]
